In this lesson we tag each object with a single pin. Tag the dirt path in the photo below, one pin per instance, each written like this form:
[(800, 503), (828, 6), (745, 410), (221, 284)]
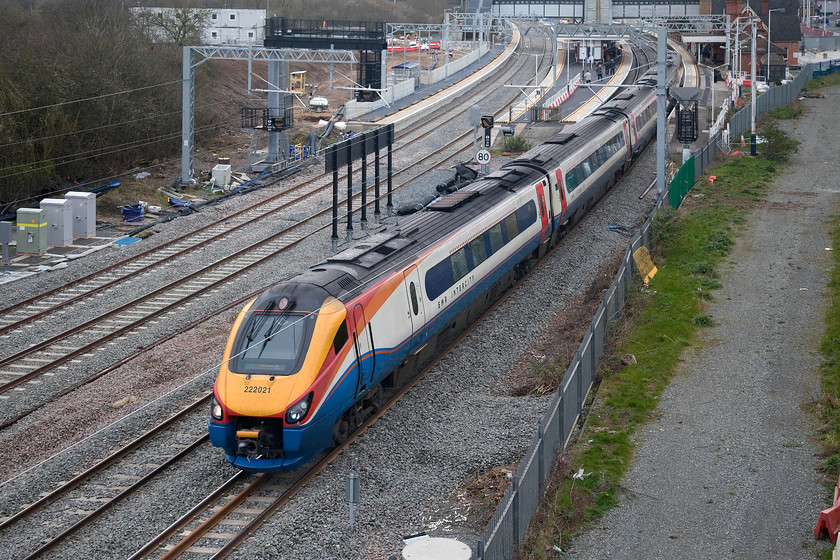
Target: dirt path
[(728, 470)]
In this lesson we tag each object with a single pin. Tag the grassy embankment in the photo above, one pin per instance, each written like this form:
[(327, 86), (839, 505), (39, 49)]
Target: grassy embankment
[(660, 322)]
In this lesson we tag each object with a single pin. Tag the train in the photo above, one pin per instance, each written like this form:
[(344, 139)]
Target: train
[(309, 359)]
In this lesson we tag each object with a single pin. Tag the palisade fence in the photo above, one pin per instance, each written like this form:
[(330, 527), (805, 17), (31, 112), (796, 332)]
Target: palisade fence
[(505, 532)]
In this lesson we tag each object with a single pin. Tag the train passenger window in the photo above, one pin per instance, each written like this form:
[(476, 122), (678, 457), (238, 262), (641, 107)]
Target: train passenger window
[(459, 264), (413, 291), (496, 240), (571, 179), (527, 215), (438, 279), (512, 226), (478, 248), (447, 272), (340, 337)]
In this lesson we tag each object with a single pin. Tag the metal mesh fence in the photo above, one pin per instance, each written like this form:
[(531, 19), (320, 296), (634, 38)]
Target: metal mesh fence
[(506, 530), (776, 96)]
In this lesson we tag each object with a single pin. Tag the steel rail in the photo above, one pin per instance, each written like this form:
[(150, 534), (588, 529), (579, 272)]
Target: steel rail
[(223, 262), (202, 242), (98, 512)]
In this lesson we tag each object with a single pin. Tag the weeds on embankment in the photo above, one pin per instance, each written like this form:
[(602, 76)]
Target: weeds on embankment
[(828, 408), (660, 321)]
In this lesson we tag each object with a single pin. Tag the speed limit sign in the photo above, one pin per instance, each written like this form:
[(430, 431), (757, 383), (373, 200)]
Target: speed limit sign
[(483, 156)]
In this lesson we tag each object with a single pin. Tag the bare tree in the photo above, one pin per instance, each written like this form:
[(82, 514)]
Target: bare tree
[(181, 25)]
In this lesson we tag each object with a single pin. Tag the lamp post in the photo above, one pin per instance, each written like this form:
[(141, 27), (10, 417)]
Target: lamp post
[(752, 91), (769, 44), (714, 80)]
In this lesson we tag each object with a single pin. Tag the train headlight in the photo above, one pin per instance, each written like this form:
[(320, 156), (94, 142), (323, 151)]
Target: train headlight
[(216, 409), (297, 412)]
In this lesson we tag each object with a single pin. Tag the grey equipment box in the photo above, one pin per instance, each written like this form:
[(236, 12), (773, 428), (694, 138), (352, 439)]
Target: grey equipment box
[(32, 231), (83, 205), (59, 220), (5, 241)]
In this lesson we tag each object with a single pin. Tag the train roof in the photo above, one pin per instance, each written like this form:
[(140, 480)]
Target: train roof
[(367, 259), (370, 258)]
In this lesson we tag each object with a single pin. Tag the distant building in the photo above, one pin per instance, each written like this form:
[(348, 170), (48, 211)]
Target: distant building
[(225, 27), (235, 27)]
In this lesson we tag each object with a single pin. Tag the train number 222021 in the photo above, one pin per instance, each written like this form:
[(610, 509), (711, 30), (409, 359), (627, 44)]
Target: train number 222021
[(255, 389)]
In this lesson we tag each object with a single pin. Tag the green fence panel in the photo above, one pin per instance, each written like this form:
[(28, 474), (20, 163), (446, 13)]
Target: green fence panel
[(681, 183)]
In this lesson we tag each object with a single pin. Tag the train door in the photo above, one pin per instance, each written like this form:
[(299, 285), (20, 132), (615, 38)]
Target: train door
[(363, 342), (416, 313), (562, 193), (626, 133), (544, 214)]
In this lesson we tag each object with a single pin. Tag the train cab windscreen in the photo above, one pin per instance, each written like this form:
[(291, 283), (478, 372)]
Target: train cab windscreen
[(272, 342)]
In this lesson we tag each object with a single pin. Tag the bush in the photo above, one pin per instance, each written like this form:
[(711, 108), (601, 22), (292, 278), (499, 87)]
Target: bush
[(778, 145), (516, 144), (792, 111)]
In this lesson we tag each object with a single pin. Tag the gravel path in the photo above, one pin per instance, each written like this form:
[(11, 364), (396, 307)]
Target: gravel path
[(728, 469)]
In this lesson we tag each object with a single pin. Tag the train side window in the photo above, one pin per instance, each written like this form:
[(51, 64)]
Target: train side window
[(496, 239), (438, 279), (459, 264), (512, 226), (571, 179), (527, 214), (340, 337), (413, 291), (478, 247)]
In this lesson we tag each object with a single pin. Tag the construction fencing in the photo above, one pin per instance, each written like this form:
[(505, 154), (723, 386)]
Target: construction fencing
[(505, 532)]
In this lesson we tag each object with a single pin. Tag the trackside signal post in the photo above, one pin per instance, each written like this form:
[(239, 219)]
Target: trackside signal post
[(344, 153)]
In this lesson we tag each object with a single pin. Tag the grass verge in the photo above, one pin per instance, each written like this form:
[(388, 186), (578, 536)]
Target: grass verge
[(829, 405), (661, 321)]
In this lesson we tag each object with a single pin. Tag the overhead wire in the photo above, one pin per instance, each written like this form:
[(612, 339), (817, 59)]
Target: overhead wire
[(112, 125), (99, 152), (92, 98)]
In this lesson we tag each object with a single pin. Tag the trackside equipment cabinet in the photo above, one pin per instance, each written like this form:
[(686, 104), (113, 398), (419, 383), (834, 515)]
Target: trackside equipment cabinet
[(59, 221), (83, 210), (32, 231)]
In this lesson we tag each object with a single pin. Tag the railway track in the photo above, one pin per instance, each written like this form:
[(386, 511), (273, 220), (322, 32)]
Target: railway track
[(261, 505), (39, 359), (90, 494)]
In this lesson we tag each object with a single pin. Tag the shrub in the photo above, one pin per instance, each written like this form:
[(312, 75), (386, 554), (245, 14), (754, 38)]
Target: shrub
[(778, 145), (516, 144)]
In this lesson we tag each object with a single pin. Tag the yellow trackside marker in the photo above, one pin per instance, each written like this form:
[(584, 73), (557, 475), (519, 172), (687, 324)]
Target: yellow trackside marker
[(646, 267)]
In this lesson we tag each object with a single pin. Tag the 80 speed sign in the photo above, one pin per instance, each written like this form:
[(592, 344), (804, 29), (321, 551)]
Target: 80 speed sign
[(483, 156)]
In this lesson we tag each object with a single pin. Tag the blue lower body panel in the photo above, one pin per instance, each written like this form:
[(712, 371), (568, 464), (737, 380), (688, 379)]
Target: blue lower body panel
[(300, 445)]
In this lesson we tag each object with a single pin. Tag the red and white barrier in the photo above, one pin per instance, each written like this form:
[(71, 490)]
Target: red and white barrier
[(829, 521), (558, 99)]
